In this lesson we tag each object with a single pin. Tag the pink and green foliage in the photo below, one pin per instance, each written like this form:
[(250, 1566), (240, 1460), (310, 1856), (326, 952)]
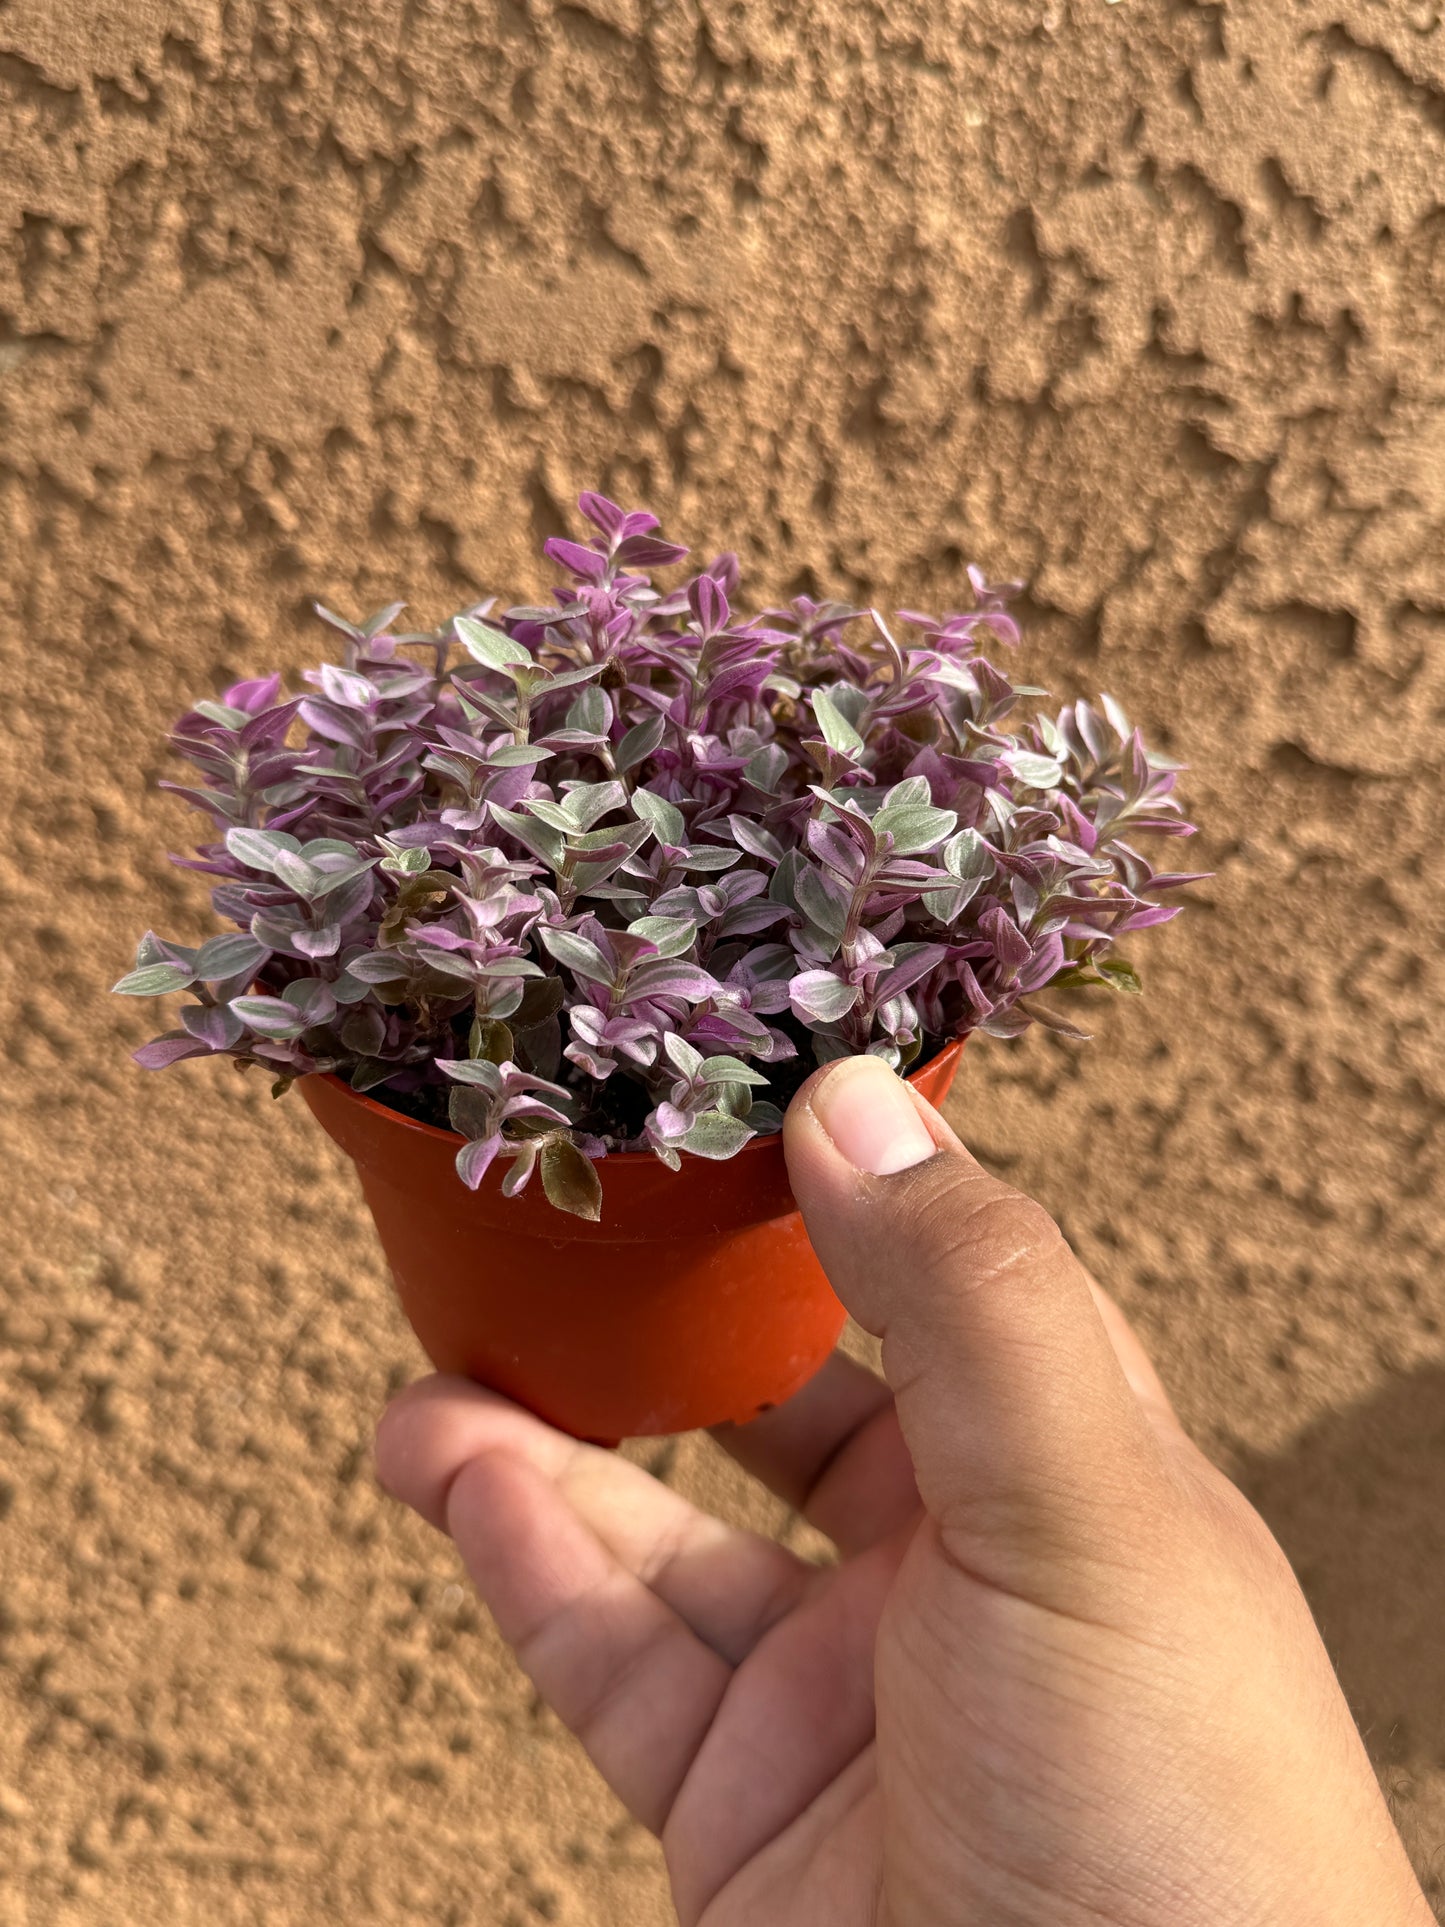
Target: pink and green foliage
[(616, 872)]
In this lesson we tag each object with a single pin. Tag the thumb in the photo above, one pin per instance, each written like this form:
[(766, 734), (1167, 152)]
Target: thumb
[(1032, 1454)]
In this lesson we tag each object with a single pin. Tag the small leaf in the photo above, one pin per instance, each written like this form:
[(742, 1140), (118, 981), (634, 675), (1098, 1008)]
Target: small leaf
[(297, 874), (523, 1164), (344, 686), (324, 942), (822, 900), (469, 1110), (258, 849), (717, 1136), (672, 935), (154, 980), (669, 977), (665, 819), (648, 552), (755, 840), (474, 1160), (1079, 976), (682, 1054), (406, 863), (471, 1070), (838, 733), (578, 954), (491, 1040), (541, 999), (591, 712), (216, 1026), (1051, 1020), (161, 1052), (731, 1070), (707, 857), (1119, 974), (818, 997), (967, 856), (363, 1030), (532, 835), (1037, 772), (269, 1016), (766, 767), (587, 803), (570, 1179), (383, 619), (229, 956), (564, 679), (312, 1000), (370, 1072), (493, 648), (734, 1099), (586, 563), (517, 756), (913, 793), (1122, 727), (914, 828), (639, 742), (379, 967), (223, 714)]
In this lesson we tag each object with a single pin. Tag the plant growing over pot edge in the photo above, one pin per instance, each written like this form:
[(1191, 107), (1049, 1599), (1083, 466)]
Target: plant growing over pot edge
[(614, 873)]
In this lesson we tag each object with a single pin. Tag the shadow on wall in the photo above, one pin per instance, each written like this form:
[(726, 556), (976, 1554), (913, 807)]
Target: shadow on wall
[(1358, 1503)]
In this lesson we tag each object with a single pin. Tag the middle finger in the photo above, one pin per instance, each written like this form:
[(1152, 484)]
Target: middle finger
[(834, 1453)]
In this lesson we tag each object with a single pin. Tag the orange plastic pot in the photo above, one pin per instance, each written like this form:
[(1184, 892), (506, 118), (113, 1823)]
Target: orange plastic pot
[(695, 1301)]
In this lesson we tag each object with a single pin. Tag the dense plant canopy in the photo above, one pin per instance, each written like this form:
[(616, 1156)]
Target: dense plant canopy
[(614, 873)]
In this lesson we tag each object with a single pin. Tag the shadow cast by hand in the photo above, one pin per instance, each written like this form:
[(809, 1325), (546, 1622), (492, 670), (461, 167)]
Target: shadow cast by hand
[(1358, 1503)]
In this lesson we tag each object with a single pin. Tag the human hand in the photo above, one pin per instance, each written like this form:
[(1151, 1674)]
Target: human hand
[(1063, 1674)]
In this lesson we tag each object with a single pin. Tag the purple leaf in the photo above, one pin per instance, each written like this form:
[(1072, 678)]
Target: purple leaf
[(475, 1159), (1011, 946), (601, 513), (818, 997), (523, 1164), (1045, 964), (162, 1052), (268, 1016), (335, 724), (324, 942), (312, 999), (214, 1025), (667, 977), (672, 1122), (253, 697), (708, 604), (585, 563), (220, 958), (646, 552)]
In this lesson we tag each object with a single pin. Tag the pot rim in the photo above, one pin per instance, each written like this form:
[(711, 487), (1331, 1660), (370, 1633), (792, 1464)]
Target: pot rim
[(753, 1146)]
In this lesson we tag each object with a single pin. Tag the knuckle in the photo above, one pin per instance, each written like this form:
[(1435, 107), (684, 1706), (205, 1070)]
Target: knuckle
[(980, 1228)]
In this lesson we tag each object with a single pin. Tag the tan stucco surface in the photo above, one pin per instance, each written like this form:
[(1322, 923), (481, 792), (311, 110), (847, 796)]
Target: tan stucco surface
[(1143, 302)]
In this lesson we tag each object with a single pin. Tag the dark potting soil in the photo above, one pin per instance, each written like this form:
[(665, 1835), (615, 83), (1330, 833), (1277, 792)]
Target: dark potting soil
[(427, 1106)]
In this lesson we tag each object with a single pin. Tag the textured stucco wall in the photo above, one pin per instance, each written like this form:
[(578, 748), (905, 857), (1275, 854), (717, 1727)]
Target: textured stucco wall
[(1145, 302)]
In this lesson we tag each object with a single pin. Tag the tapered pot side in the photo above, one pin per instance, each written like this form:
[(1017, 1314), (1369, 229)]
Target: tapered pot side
[(697, 1300)]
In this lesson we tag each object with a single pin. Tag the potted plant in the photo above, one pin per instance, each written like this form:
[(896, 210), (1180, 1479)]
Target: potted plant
[(550, 911)]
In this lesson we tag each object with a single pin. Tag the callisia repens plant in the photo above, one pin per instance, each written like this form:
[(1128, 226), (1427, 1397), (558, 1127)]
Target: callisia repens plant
[(615, 873)]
